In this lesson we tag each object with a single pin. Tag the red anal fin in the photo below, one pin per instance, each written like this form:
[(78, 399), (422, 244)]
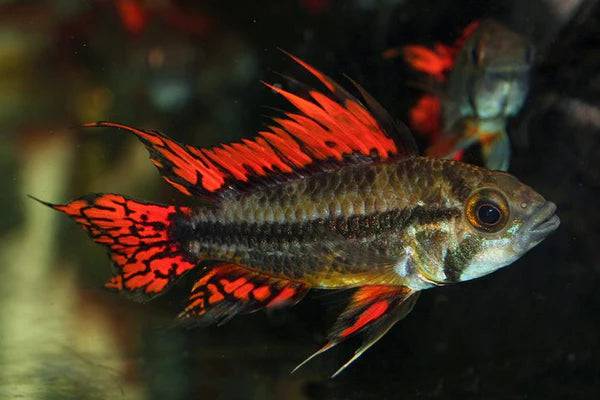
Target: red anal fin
[(327, 127), (229, 289), (373, 310), (137, 236)]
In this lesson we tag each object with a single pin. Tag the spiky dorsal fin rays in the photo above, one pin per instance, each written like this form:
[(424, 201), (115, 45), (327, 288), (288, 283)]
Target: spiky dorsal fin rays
[(396, 128), (372, 310), (398, 131), (328, 128)]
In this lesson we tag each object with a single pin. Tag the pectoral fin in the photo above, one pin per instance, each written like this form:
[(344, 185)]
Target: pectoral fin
[(372, 310)]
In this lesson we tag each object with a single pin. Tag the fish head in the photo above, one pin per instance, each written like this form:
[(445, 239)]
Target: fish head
[(491, 220), (491, 77), (501, 220)]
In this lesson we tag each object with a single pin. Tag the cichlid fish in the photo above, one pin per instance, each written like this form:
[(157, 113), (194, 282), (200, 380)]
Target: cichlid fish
[(482, 81), (331, 196)]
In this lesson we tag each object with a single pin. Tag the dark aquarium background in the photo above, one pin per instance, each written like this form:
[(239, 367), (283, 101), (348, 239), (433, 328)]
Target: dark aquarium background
[(192, 69)]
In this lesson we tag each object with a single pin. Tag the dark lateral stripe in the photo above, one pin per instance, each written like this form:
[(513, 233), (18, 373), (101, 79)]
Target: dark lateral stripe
[(357, 226)]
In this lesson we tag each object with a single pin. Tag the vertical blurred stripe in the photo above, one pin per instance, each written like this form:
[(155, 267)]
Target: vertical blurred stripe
[(29, 284)]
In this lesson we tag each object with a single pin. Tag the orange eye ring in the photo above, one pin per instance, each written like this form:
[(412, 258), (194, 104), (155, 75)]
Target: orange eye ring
[(487, 210)]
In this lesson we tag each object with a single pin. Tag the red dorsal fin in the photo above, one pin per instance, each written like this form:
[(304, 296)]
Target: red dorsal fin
[(440, 59), (435, 62), (373, 310), (326, 128), (467, 32), (229, 289), (137, 236)]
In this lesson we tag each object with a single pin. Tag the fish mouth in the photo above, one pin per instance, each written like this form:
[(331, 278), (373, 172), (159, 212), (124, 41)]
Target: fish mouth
[(539, 225)]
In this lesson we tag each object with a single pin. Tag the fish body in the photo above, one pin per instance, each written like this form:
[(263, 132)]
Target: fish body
[(332, 196), (349, 227), (482, 80)]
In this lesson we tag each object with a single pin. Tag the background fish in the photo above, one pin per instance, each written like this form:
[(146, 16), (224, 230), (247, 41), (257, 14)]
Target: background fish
[(331, 196), (479, 83)]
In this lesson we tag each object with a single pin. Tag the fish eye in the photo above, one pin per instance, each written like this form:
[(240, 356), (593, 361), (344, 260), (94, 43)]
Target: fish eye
[(487, 210), (488, 213)]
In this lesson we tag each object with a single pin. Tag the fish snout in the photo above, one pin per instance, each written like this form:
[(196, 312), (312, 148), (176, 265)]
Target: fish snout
[(540, 224), (498, 94)]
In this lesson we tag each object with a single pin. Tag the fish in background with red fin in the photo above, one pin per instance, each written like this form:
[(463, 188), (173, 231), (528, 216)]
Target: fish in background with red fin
[(478, 83), (331, 196)]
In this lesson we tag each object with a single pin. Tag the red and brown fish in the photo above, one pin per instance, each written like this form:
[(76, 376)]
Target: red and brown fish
[(331, 196), (478, 83)]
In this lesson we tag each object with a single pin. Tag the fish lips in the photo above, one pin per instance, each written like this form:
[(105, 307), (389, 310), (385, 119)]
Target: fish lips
[(539, 225)]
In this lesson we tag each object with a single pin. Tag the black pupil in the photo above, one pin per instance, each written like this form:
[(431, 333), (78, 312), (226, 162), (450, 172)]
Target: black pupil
[(488, 214)]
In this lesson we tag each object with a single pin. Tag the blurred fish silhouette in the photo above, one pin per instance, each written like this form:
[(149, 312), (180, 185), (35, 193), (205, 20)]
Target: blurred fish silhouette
[(331, 196), (477, 84)]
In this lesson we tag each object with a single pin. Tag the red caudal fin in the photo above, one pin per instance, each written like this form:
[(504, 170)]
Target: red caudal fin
[(137, 236), (372, 310), (328, 127), (229, 289)]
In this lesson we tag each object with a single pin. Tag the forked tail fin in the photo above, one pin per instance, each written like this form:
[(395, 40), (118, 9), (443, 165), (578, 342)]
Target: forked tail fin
[(137, 236)]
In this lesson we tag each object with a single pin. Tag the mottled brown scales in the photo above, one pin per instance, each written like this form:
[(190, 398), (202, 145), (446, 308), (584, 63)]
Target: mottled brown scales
[(334, 229)]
